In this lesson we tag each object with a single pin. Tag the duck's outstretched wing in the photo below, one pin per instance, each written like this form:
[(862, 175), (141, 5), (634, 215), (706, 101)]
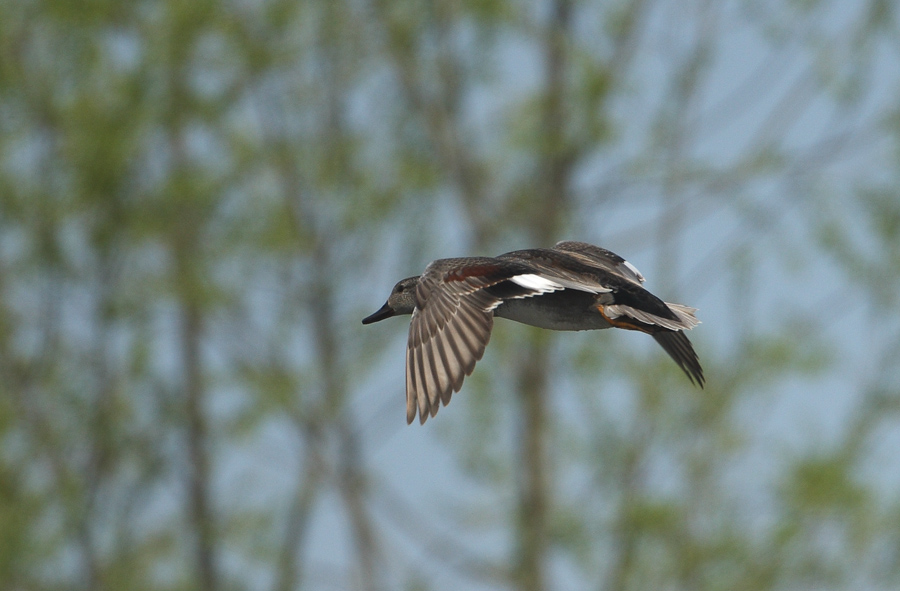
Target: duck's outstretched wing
[(564, 269), (600, 258), (451, 324)]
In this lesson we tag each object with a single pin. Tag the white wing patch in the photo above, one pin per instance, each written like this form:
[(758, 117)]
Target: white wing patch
[(536, 282)]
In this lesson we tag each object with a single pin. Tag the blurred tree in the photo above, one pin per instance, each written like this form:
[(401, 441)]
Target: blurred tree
[(199, 201)]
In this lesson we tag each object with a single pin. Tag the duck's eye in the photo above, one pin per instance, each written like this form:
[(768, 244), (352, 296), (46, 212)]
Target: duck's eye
[(399, 289)]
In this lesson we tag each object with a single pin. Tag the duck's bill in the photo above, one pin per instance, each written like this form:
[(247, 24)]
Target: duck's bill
[(384, 312)]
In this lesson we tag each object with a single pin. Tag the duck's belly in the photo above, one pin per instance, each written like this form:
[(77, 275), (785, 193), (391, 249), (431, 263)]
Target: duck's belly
[(562, 310)]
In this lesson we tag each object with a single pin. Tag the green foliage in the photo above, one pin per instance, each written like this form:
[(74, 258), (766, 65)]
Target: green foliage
[(197, 199), (825, 486)]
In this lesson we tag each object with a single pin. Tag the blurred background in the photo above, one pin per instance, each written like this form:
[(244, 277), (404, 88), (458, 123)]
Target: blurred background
[(199, 202)]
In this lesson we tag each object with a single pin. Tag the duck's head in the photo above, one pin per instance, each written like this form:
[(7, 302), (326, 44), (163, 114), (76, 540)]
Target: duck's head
[(401, 301)]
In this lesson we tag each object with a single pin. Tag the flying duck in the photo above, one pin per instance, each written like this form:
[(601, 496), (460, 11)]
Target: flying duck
[(572, 286)]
